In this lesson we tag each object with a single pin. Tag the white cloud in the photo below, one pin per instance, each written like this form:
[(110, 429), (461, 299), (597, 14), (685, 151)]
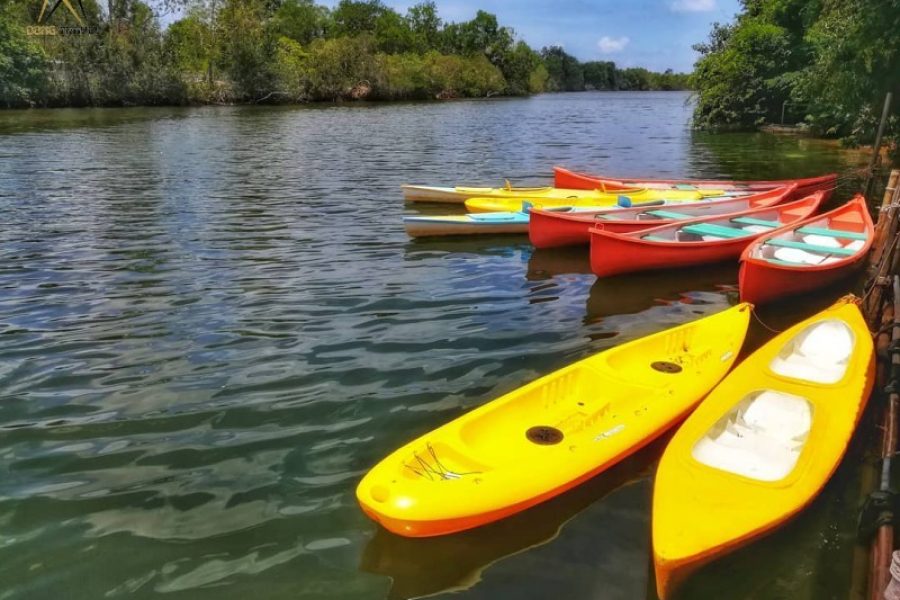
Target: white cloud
[(693, 5), (608, 45)]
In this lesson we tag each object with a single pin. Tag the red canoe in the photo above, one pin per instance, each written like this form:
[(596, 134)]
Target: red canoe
[(550, 229), (807, 255), (694, 242), (563, 178)]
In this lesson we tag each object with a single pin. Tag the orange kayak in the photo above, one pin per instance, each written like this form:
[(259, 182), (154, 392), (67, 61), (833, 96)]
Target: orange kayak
[(564, 178)]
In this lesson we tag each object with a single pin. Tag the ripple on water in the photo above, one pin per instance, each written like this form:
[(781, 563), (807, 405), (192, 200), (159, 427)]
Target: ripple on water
[(212, 324)]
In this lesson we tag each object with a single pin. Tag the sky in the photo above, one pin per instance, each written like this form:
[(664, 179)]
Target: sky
[(656, 34)]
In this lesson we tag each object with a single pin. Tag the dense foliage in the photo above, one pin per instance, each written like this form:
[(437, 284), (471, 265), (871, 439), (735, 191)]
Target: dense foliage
[(828, 63), (567, 74), (278, 51)]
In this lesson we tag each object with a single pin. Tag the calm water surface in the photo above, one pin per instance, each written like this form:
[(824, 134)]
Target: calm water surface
[(212, 324)]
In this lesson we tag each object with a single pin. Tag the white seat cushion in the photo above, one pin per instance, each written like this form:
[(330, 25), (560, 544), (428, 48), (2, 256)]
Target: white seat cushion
[(819, 353), (760, 438)]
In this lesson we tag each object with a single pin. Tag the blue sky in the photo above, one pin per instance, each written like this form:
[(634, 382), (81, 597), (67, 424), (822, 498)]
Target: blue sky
[(656, 34)]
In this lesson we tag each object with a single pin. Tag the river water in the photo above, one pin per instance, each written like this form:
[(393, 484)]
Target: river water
[(212, 324)]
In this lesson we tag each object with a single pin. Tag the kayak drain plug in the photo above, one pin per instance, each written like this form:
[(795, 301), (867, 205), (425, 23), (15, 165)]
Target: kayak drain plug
[(544, 435), (666, 367)]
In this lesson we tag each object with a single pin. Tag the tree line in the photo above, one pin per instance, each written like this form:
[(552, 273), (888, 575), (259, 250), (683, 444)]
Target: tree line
[(825, 63), (223, 51), (566, 73)]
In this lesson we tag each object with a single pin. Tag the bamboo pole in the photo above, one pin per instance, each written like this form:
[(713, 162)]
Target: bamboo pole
[(876, 149), (885, 230), (883, 545), (882, 264)]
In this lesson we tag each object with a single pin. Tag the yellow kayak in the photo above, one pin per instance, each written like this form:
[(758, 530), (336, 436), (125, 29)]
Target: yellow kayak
[(518, 203), (458, 195), (763, 444), (553, 433)]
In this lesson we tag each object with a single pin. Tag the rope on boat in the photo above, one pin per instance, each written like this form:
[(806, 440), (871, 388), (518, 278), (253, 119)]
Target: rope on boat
[(438, 469), (761, 322)]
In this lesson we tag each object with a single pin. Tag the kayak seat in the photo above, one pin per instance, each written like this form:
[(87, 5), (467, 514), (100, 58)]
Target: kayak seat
[(835, 233), (801, 257), (820, 353), (810, 247), (668, 214), (752, 221), (714, 230), (760, 438)]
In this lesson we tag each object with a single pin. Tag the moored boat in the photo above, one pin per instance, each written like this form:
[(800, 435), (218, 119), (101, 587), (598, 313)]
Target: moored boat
[(650, 198), (470, 224), (474, 223), (549, 228), (762, 445), (807, 255), (696, 242), (458, 195), (553, 433), (565, 178)]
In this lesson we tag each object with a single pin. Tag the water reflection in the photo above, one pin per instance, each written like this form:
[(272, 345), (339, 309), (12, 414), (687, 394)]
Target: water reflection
[(636, 292), (213, 323)]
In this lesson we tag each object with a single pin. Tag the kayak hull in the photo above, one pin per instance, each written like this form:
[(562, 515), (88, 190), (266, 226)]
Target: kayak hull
[(552, 434), (574, 180), (582, 202), (489, 224), (552, 229), (734, 471), (614, 253), (762, 280)]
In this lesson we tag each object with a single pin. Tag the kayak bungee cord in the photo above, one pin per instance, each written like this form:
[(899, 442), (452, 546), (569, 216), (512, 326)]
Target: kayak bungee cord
[(441, 471)]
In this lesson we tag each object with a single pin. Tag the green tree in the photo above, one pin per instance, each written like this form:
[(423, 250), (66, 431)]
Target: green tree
[(23, 67), (565, 72), (355, 17), (247, 48), (600, 75), (393, 33), (301, 20), (740, 78), (517, 66), (635, 78), (856, 61), (481, 35), (190, 42), (426, 26)]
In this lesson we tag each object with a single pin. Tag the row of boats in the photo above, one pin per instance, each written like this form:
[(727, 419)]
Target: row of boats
[(755, 443), (772, 228)]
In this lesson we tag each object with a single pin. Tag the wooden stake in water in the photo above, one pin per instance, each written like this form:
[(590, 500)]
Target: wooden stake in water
[(876, 149)]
